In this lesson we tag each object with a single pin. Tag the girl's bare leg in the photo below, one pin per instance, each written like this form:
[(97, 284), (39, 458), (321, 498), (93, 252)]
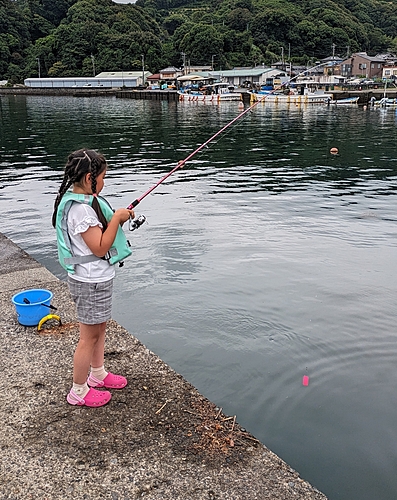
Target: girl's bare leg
[(89, 350), (98, 356)]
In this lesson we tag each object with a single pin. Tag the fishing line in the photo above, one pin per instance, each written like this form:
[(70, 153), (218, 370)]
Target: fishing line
[(181, 163), (241, 115), (213, 143)]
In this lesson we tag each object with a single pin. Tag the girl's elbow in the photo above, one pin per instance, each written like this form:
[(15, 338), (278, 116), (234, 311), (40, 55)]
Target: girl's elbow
[(99, 252)]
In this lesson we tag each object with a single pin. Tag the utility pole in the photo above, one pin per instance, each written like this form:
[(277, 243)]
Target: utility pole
[(143, 69), (282, 58), (333, 51), (212, 62), (38, 62), (184, 62), (93, 64)]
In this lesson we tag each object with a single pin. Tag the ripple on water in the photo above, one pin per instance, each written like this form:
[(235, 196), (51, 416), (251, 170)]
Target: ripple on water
[(263, 260)]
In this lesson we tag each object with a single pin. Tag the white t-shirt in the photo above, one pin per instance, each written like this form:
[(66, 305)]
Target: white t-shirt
[(81, 217)]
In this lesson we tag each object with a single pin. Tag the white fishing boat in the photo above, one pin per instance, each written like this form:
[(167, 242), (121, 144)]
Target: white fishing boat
[(345, 101), (216, 92), (291, 96), (385, 102)]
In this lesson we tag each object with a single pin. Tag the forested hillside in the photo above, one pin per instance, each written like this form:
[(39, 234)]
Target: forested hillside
[(77, 37)]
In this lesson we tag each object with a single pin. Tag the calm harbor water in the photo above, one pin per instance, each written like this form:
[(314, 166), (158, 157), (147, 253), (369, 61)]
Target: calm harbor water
[(265, 259)]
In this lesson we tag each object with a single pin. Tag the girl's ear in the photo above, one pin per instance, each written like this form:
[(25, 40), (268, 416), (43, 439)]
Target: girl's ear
[(87, 179)]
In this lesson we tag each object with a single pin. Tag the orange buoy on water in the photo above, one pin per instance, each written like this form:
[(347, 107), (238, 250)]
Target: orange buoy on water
[(334, 151)]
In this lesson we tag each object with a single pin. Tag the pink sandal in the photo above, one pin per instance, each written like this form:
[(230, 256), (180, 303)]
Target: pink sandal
[(93, 398), (111, 381)]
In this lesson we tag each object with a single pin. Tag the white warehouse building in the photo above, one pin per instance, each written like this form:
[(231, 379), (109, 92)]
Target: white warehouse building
[(113, 79)]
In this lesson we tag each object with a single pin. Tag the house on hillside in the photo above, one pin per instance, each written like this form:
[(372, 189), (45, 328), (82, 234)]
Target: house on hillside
[(388, 58), (361, 64), (390, 72), (331, 60), (198, 69), (153, 81), (170, 74), (331, 65), (281, 65)]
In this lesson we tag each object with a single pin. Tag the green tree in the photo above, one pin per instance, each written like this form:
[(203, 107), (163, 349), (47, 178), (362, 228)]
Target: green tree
[(201, 42), (14, 39), (64, 33), (238, 19), (172, 22), (14, 73), (57, 70), (51, 10)]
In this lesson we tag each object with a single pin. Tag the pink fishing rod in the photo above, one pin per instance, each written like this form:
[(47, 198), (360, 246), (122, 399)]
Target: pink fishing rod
[(181, 163)]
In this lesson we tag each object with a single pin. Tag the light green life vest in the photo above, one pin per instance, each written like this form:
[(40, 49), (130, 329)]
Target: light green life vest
[(118, 251)]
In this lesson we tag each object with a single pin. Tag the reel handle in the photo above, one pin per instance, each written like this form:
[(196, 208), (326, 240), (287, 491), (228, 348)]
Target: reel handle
[(137, 223)]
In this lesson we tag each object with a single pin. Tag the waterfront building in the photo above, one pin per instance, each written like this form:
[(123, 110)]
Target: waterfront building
[(111, 79)]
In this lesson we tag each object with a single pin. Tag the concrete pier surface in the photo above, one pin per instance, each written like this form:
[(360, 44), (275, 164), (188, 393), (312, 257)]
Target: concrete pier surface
[(158, 438)]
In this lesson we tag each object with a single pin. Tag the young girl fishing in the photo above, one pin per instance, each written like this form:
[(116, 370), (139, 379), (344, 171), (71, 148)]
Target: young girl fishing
[(90, 242)]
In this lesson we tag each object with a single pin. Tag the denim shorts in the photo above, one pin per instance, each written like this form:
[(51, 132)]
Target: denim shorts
[(93, 300)]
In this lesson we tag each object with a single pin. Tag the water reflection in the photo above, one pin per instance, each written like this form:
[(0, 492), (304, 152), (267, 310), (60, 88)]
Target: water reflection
[(264, 259)]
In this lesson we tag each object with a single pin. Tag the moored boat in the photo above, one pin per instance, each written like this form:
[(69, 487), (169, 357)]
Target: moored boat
[(344, 101), (385, 102), (216, 92), (291, 97)]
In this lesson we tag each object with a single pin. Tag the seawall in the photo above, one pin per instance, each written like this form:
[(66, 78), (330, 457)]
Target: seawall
[(364, 95), (158, 95), (158, 438)]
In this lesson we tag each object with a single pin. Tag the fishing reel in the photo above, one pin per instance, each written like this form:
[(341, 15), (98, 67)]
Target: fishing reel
[(136, 223)]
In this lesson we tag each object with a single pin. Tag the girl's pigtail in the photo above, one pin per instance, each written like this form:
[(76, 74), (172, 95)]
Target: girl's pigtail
[(62, 190), (68, 179)]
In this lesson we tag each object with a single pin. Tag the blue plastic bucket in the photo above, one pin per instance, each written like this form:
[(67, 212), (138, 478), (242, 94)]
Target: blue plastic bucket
[(30, 314)]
